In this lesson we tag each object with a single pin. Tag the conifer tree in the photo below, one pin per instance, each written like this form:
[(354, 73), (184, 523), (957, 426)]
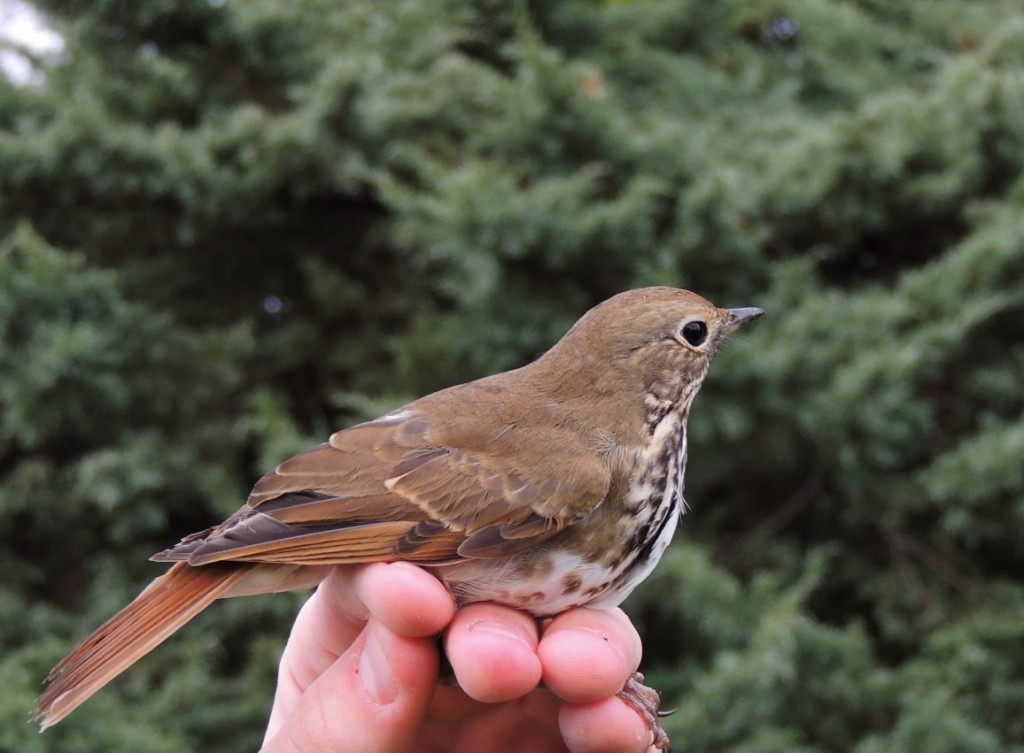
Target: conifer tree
[(227, 229)]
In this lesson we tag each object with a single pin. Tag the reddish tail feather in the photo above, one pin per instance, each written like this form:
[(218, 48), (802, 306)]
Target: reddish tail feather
[(168, 603)]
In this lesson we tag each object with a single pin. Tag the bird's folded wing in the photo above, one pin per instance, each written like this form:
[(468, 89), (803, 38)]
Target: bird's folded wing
[(397, 488)]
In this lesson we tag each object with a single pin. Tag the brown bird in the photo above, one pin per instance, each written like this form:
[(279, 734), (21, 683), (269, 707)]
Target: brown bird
[(544, 488)]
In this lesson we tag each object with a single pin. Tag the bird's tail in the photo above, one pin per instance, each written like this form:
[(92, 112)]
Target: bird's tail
[(167, 603)]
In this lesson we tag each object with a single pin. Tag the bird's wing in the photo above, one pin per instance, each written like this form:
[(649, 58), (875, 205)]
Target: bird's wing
[(403, 488)]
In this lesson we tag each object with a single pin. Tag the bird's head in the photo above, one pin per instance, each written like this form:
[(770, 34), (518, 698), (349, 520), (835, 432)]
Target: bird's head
[(661, 340)]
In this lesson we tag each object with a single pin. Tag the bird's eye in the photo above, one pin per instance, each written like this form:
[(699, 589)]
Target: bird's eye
[(695, 333)]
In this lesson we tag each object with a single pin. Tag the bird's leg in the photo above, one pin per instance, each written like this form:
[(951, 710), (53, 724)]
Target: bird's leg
[(647, 702)]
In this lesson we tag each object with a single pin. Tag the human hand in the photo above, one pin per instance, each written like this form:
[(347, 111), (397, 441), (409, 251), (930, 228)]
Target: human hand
[(360, 674)]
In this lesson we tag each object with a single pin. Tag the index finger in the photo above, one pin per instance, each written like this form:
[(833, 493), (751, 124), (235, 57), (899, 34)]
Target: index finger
[(404, 598)]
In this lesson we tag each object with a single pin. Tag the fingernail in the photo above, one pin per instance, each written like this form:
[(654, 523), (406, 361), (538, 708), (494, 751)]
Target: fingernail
[(375, 671), (501, 629)]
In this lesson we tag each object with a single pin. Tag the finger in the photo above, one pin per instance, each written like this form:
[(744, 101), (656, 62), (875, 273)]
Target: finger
[(604, 726), (405, 598), (587, 654), (493, 651), (371, 700)]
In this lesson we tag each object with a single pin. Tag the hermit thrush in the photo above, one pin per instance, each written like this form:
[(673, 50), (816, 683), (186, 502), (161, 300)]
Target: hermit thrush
[(548, 487)]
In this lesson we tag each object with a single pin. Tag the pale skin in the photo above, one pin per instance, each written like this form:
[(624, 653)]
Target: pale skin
[(360, 674)]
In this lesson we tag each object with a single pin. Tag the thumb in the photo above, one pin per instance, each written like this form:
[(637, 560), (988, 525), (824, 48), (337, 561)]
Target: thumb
[(372, 699)]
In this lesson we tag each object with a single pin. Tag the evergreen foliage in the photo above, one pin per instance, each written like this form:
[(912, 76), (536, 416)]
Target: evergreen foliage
[(227, 229)]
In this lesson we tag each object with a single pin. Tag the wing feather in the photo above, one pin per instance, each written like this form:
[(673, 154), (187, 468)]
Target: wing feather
[(268, 540), (402, 487)]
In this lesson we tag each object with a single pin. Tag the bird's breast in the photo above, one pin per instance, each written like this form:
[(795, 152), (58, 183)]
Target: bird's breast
[(652, 507)]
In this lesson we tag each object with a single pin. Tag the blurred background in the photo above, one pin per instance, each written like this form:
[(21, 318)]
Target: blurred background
[(228, 228)]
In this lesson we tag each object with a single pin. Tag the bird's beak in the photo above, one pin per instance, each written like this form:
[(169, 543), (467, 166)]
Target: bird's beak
[(739, 317)]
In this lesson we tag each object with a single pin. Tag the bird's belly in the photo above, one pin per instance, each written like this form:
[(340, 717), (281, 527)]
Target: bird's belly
[(548, 582), (545, 583)]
